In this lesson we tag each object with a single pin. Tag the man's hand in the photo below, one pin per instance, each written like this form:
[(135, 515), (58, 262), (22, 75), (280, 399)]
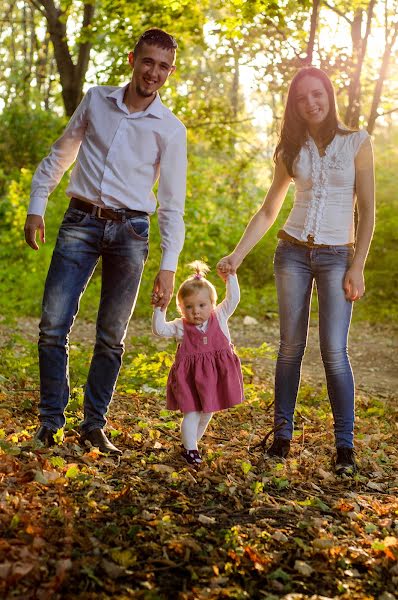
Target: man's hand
[(34, 223), (163, 287)]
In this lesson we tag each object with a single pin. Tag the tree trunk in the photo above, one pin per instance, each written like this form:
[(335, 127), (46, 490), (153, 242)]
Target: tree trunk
[(314, 24), (235, 83), (71, 75), (359, 45)]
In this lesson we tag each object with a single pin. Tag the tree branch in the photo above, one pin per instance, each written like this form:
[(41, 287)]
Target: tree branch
[(387, 112), (38, 6), (338, 12)]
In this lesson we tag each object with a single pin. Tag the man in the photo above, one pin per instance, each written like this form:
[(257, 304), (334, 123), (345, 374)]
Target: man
[(123, 140)]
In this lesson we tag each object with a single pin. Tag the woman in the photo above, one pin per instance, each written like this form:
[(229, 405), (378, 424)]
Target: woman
[(331, 166)]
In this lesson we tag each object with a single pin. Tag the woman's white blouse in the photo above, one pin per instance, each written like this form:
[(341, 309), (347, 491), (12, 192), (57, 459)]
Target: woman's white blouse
[(325, 191)]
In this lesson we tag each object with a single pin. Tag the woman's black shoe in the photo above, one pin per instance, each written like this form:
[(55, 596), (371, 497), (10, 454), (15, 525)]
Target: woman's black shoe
[(279, 448), (345, 462)]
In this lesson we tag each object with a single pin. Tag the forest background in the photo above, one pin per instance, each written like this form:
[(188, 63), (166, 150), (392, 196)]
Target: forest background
[(75, 525), (235, 61)]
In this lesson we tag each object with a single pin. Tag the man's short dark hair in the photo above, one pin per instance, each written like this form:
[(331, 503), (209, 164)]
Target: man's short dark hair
[(156, 37)]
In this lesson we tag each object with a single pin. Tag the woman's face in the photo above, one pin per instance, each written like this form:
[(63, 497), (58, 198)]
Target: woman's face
[(312, 101)]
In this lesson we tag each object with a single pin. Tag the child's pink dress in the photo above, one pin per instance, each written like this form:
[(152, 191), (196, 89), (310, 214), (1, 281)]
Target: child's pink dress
[(206, 375)]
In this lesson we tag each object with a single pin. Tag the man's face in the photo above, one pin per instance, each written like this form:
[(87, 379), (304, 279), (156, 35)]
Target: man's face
[(151, 67)]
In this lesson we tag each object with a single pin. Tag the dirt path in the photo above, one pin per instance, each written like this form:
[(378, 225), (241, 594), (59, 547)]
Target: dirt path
[(373, 353), (373, 349)]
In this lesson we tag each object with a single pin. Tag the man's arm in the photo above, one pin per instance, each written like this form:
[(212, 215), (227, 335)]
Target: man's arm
[(171, 198), (50, 171)]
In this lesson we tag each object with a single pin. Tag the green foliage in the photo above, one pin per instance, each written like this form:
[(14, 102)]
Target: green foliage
[(224, 190), (381, 300), (13, 211), (26, 136), (153, 367), (18, 362)]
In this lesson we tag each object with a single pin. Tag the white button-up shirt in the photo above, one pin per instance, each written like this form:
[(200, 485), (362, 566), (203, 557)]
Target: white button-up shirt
[(325, 191), (119, 156)]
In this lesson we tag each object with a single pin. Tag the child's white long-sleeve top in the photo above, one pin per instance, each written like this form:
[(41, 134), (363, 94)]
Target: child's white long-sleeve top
[(222, 311)]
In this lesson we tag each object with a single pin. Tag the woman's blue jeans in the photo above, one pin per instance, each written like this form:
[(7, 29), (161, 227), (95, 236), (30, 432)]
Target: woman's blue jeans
[(296, 268), (82, 240)]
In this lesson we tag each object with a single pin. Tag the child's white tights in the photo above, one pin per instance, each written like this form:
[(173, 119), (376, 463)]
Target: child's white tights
[(193, 426)]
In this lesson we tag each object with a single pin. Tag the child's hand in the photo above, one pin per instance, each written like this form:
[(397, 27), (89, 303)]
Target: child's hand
[(227, 266), (224, 276)]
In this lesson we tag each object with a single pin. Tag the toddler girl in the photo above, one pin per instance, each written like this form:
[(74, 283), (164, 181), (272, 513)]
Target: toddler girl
[(206, 374)]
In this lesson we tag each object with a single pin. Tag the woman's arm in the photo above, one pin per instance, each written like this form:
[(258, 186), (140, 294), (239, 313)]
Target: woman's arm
[(354, 281), (261, 221)]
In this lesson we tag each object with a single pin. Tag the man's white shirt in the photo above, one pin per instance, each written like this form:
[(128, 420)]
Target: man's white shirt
[(119, 157)]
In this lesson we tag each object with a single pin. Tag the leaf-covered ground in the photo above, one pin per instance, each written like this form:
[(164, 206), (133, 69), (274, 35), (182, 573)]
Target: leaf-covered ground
[(75, 524)]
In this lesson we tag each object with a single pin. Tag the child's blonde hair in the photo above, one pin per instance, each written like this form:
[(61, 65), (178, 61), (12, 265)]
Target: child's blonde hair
[(195, 283)]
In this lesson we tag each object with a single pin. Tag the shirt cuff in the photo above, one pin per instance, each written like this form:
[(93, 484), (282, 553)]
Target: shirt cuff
[(37, 206), (169, 261)]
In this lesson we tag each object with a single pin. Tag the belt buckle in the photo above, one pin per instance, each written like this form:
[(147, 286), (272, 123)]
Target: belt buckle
[(98, 213)]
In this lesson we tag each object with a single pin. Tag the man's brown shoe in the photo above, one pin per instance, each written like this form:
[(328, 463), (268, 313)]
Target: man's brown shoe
[(97, 438), (45, 436)]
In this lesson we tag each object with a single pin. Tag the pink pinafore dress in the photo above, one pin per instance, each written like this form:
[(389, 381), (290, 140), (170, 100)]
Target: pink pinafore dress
[(206, 375)]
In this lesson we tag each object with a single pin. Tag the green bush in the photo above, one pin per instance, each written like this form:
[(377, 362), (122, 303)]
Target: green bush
[(26, 136), (223, 192)]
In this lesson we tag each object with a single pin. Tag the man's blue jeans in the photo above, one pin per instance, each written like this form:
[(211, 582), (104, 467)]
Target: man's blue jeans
[(82, 240), (296, 268)]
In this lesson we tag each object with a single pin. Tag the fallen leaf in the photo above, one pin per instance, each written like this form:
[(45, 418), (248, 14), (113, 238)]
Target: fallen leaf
[(303, 568), (206, 520), (163, 469)]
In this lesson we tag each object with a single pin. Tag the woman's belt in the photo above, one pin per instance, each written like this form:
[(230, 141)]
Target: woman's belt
[(282, 235)]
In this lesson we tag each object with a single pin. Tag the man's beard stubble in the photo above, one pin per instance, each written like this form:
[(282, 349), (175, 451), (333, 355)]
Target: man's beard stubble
[(143, 93)]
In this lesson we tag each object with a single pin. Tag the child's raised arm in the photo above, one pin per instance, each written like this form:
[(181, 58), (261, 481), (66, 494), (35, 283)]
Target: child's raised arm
[(162, 328), (232, 297)]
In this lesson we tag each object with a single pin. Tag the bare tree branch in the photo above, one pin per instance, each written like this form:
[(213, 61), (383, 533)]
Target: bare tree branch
[(338, 12)]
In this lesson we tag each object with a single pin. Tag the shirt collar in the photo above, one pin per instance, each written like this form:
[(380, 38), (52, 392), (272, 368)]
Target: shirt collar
[(155, 108)]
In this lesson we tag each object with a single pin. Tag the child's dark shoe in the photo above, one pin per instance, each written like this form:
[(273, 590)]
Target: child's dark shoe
[(279, 448), (192, 457), (345, 462)]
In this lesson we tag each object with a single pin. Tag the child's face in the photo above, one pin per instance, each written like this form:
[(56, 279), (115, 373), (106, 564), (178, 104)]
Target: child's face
[(196, 308)]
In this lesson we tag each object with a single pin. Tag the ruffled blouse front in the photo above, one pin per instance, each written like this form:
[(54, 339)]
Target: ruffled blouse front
[(324, 199)]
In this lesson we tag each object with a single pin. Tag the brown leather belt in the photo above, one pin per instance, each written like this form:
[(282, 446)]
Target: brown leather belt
[(282, 235), (105, 213)]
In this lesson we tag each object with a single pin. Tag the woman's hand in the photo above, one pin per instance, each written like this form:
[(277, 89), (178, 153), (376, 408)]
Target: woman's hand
[(354, 284), (228, 266)]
